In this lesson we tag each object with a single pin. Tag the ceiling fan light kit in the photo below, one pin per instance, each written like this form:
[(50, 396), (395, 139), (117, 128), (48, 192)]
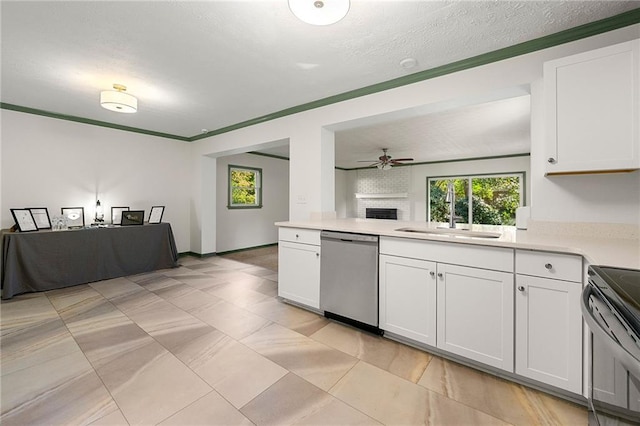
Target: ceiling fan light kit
[(319, 12), (385, 161), (118, 101)]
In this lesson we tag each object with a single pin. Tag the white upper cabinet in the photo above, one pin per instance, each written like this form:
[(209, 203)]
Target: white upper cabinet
[(593, 110)]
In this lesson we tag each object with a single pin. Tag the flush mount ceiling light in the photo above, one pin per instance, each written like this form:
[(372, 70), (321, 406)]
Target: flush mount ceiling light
[(118, 101), (319, 12)]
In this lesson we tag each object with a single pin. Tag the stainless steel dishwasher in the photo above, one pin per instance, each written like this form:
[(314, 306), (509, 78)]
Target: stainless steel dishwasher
[(349, 278)]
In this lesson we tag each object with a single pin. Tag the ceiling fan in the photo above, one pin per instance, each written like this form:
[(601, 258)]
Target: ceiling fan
[(385, 162)]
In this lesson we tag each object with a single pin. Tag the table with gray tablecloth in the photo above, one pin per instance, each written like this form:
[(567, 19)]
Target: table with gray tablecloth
[(46, 260)]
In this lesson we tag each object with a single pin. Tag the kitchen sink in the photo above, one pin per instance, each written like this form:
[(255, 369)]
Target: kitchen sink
[(452, 232)]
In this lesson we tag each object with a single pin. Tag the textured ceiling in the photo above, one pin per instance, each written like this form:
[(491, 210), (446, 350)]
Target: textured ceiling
[(488, 129), (207, 65)]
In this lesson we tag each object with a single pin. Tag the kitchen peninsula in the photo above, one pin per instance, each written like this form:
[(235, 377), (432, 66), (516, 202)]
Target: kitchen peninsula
[(600, 244), (499, 299)]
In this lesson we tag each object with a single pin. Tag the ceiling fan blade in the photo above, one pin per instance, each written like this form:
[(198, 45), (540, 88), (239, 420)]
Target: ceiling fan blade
[(402, 159), (368, 161)]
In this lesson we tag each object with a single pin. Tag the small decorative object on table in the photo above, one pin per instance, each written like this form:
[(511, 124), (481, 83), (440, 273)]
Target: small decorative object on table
[(156, 214), (59, 223), (24, 219), (74, 216), (132, 217), (99, 213)]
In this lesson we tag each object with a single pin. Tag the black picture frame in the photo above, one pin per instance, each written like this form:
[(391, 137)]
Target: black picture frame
[(155, 216), (24, 220), (41, 217), (132, 217), (74, 216), (116, 214)]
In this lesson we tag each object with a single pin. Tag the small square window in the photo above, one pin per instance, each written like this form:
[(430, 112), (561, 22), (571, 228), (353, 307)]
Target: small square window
[(245, 187)]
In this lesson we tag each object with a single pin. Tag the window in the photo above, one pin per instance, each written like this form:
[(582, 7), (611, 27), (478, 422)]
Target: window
[(245, 187), (493, 200)]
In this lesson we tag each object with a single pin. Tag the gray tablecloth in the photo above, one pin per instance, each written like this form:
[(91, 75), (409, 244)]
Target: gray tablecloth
[(45, 260)]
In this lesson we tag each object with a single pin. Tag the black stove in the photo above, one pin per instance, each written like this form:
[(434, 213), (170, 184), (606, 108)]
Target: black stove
[(611, 309), (621, 287)]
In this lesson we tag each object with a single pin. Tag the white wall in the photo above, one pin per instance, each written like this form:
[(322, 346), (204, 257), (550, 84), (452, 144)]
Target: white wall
[(304, 130), (242, 228), (55, 163), (342, 194)]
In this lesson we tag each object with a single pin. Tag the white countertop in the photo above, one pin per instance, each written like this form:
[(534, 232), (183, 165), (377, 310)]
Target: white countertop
[(597, 250)]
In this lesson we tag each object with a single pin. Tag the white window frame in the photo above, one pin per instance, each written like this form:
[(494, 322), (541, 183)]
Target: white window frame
[(522, 193)]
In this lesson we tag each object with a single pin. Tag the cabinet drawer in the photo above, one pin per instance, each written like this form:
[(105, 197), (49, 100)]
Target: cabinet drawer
[(567, 267), (298, 235), (485, 257)]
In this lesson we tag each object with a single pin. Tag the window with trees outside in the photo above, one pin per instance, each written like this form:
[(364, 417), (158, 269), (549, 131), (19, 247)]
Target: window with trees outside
[(245, 187), (487, 200)]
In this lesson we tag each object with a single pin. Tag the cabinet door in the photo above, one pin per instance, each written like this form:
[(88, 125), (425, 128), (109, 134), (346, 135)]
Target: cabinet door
[(549, 331), (299, 273), (475, 314), (593, 104), (408, 298)]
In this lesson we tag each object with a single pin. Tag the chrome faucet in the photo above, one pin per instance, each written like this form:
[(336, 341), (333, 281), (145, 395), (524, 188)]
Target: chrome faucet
[(451, 199)]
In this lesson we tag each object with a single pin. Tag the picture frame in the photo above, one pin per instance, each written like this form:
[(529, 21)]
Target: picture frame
[(116, 214), (41, 217), (132, 217), (156, 214), (74, 216), (24, 219)]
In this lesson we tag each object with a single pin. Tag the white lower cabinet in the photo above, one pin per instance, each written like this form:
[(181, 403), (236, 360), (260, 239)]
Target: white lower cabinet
[(475, 314), (549, 331), (548, 318), (464, 309), (408, 298), (299, 269), (466, 300)]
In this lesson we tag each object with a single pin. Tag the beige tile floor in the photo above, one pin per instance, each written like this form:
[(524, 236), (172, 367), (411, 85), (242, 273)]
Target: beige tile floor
[(209, 343)]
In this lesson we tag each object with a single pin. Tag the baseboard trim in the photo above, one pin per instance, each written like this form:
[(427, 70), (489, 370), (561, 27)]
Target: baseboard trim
[(221, 253), (191, 253)]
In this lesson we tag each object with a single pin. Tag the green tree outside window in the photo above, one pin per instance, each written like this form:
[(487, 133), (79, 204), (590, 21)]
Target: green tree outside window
[(494, 199), (245, 187)]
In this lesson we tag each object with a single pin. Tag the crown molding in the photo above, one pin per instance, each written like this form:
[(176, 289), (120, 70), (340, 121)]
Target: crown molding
[(587, 30), (83, 120)]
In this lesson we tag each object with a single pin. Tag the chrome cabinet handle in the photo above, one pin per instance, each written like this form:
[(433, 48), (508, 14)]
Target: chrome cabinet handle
[(433, 274), (548, 266), (440, 274), (551, 160), (520, 288)]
